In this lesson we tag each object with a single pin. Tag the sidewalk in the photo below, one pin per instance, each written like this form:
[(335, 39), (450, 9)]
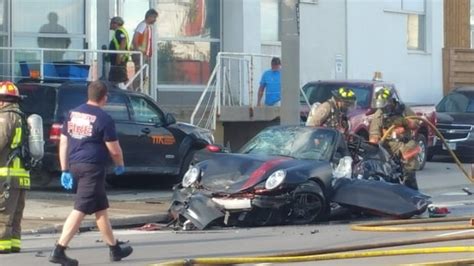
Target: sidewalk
[(45, 212)]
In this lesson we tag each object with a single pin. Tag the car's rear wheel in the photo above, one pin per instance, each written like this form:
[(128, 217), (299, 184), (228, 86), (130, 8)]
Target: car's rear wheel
[(40, 178), (423, 155), (309, 204)]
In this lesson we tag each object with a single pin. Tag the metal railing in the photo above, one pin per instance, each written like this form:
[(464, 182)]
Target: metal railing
[(16, 63), (233, 82)]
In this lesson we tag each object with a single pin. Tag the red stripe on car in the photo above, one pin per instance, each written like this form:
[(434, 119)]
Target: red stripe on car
[(257, 175)]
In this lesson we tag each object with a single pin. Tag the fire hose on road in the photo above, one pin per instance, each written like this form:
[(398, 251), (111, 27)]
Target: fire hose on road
[(384, 226)]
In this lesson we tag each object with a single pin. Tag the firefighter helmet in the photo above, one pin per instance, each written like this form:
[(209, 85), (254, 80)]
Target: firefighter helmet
[(344, 94), (8, 91), (382, 97)]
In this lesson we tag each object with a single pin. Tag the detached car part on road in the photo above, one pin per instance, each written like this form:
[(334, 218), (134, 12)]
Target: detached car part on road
[(284, 175), (153, 142)]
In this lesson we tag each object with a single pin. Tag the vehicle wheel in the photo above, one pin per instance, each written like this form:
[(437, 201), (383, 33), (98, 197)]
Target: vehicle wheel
[(40, 178), (309, 204), (118, 181), (423, 155), (429, 156)]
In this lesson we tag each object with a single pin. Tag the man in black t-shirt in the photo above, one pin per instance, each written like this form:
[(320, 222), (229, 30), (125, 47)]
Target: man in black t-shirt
[(88, 137)]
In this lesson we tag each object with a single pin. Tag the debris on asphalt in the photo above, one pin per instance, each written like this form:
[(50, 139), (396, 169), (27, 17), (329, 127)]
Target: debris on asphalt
[(468, 192), (40, 254), (154, 202), (150, 227), (435, 212)]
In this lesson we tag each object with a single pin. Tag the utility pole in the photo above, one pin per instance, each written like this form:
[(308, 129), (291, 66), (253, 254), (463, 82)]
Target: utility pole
[(290, 57)]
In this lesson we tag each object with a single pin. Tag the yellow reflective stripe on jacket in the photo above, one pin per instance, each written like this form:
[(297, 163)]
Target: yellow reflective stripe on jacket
[(17, 172), (17, 138), (13, 172), (117, 44), (16, 243), (16, 163), (5, 244)]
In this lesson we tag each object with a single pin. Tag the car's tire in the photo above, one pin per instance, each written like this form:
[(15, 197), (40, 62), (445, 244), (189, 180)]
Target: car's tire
[(40, 178), (429, 156), (422, 157), (308, 205)]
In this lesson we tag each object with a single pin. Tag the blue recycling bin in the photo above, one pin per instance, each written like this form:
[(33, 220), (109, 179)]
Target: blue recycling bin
[(72, 70), (64, 70)]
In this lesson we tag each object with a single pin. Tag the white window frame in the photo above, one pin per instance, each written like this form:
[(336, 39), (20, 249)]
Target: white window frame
[(423, 48)]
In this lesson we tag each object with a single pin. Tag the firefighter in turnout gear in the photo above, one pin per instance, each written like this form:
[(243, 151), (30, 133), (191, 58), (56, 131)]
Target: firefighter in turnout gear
[(14, 178), (333, 112), (390, 113)]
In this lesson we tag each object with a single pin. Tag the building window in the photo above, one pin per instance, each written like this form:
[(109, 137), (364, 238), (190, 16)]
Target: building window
[(472, 23), (416, 20), (4, 68), (269, 20), (416, 32), (415, 23), (59, 24), (188, 40)]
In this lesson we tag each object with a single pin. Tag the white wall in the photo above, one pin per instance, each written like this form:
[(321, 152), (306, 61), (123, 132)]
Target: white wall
[(322, 37), (241, 26), (241, 34), (377, 42), (367, 35)]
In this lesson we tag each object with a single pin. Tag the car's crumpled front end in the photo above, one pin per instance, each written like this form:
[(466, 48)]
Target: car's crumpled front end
[(228, 198)]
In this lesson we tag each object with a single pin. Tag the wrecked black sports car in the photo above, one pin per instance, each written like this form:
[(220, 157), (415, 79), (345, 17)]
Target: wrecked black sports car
[(284, 175)]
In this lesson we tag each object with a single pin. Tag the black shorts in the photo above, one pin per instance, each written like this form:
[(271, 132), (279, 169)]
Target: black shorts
[(90, 187)]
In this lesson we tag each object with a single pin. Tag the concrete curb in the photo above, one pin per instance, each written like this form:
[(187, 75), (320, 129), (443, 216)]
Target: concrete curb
[(116, 222)]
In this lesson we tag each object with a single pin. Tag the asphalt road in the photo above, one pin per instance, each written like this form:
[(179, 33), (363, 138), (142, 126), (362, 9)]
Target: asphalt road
[(443, 181)]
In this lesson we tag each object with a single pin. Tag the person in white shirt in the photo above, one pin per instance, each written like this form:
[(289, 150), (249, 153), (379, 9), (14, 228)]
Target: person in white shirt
[(142, 41)]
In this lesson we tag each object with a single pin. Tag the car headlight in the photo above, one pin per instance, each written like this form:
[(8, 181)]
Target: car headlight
[(191, 176), (275, 179)]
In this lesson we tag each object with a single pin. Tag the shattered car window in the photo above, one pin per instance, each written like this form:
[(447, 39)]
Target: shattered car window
[(296, 142)]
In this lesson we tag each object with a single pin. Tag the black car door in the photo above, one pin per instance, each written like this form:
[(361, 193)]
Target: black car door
[(158, 146), (118, 109)]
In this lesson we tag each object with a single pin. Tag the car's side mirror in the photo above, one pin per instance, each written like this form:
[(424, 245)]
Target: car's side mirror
[(169, 119)]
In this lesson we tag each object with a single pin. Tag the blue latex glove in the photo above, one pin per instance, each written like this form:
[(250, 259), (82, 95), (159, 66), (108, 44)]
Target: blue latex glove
[(119, 170), (66, 180)]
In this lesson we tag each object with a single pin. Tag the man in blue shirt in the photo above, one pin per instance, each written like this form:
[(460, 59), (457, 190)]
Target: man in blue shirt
[(270, 83), (88, 140)]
